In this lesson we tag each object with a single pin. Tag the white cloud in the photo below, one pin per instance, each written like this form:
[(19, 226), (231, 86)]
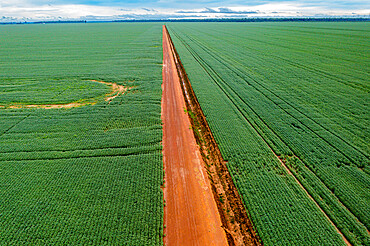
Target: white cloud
[(71, 11), (22, 9)]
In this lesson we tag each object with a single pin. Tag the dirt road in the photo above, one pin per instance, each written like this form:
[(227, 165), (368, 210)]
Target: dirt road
[(190, 215)]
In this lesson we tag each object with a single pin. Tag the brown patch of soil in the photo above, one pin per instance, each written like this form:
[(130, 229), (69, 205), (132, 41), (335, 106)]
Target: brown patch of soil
[(190, 213), (117, 90)]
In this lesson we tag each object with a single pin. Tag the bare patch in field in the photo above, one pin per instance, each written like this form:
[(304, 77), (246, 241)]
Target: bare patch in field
[(117, 90)]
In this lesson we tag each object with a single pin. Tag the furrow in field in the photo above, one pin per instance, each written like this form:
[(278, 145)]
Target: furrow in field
[(20, 121), (74, 154), (25, 152), (137, 153)]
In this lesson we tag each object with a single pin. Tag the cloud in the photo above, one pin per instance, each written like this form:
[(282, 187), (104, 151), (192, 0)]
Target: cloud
[(208, 10), (149, 10), (221, 10), (39, 10)]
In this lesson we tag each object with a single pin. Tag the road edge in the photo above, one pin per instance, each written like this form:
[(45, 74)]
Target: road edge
[(235, 218)]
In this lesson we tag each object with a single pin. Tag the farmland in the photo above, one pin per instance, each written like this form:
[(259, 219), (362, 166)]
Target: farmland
[(288, 106), (81, 133), (91, 174)]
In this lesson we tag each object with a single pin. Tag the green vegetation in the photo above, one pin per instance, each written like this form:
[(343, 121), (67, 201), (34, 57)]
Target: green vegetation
[(46, 90), (89, 175), (295, 92)]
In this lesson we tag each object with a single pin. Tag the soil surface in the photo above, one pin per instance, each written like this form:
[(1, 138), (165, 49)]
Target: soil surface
[(235, 220), (190, 213), (117, 90)]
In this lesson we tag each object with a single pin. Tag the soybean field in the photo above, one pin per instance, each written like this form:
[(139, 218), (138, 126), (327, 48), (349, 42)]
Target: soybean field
[(288, 104), (89, 173), (81, 131)]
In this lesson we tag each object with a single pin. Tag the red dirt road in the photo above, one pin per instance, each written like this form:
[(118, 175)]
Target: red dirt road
[(190, 215)]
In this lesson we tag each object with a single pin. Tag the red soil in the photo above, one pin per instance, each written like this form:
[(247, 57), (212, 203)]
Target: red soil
[(190, 214)]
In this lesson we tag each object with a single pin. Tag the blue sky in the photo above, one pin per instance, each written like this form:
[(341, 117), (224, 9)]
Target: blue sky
[(128, 9), (357, 4)]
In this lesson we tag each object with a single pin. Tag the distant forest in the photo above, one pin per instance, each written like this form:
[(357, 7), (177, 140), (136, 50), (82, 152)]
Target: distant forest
[(275, 19)]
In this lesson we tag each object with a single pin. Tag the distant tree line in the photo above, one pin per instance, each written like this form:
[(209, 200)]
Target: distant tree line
[(274, 19), (42, 22), (254, 19)]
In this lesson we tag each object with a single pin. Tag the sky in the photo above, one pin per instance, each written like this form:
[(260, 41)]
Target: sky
[(36, 10)]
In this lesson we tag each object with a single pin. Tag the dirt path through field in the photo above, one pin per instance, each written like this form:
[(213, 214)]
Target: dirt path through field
[(190, 214), (116, 91)]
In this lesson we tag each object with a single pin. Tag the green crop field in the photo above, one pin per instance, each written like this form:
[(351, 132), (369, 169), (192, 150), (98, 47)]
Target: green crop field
[(287, 103), (88, 175), (292, 93)]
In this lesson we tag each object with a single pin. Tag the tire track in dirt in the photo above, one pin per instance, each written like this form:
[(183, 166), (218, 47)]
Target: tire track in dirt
[(190, 213)]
